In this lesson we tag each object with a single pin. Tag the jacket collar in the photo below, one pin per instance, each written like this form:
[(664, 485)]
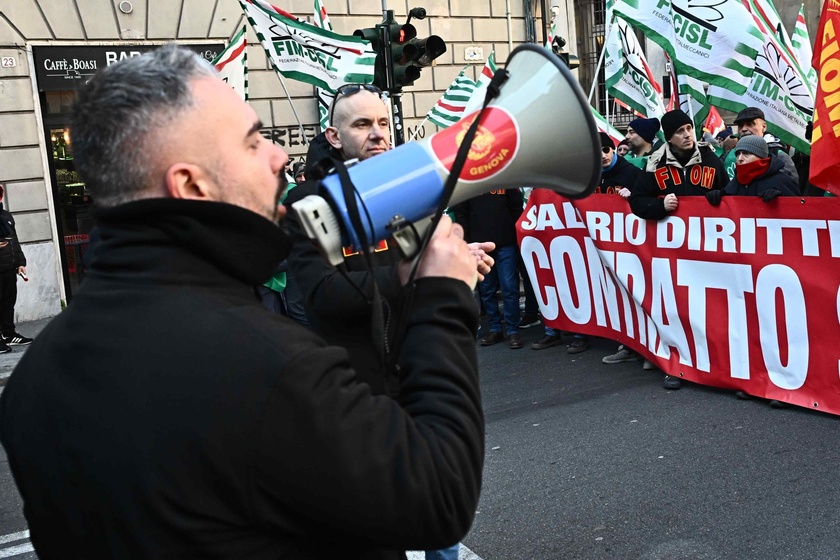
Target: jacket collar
[(164, 235)]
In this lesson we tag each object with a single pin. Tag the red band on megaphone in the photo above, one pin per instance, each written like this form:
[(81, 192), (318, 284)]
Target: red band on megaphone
[(493, 149)]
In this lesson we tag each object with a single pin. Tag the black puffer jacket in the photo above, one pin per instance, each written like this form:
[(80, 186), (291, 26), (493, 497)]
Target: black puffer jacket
[(774, 178), (11, 255)]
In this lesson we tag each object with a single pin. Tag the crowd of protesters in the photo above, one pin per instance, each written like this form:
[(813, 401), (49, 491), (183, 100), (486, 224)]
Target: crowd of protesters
[(745, 161)]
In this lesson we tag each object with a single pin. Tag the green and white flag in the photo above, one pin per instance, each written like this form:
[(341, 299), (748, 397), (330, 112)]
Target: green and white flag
[(232, 64), (800, 43), (693, 102), (779, 90), (627, 74), (689, 94), (770, 23), (301, 51), (604, 126), (477, 99), (450, 107), (325, 96), (713, 42)]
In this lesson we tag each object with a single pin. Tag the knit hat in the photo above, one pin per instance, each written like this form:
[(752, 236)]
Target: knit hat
[(646, 128), (606, 140), (673, 120), (723, 134), (754, 145)]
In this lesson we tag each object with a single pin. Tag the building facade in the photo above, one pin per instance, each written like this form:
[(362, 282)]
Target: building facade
[(49, 47)]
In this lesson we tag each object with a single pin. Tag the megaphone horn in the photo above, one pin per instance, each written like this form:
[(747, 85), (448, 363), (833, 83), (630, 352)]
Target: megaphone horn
[(539, 132)]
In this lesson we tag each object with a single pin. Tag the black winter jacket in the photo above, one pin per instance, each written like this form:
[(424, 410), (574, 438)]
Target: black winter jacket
[(166, 414), (11, 255), (334, 307), (622, 174), (491, 217), (774, 178), (665, 175)]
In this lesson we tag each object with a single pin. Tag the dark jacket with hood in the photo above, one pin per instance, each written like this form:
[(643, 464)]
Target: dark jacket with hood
[(166, 414), (774, 178), (11, 255), (665, 175)]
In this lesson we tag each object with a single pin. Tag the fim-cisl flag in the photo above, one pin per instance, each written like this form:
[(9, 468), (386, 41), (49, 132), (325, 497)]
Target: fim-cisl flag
[(232, 64), (769, 22), (825, 141), (325, 96), (450, 107), (301, 51), (712, 41), (779, 88), (628, 76), (477, 99)]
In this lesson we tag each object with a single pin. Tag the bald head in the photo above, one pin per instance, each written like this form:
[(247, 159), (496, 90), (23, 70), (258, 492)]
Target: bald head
[(360, 125)]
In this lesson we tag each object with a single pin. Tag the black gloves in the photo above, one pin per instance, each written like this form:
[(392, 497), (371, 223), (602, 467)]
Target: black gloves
[(770, 194), (714, 197)]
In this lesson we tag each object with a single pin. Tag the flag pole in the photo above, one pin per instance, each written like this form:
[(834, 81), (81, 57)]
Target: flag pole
[(601, 60), (417, 130), (291, 103)]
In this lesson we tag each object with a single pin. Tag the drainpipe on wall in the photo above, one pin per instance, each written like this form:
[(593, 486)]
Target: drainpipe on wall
[(509, 37)]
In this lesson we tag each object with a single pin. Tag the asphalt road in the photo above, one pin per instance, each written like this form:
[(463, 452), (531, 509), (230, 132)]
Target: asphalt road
[(590, 461)]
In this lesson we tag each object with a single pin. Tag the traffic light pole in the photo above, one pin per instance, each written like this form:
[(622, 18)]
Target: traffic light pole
[(394, 89)]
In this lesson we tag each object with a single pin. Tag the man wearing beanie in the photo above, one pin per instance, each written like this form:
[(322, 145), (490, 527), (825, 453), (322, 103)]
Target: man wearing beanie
[(617, 175), (681, 167), (758, 172), (750, 121), (641, 135)]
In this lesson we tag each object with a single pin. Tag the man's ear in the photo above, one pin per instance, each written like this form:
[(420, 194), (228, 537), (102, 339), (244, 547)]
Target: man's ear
[(186, 180), (331, 134)]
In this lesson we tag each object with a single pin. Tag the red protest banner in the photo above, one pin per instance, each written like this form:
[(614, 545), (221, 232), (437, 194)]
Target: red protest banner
[(744, 296)]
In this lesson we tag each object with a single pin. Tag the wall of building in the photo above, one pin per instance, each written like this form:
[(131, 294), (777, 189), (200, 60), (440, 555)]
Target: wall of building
[(24, 167)]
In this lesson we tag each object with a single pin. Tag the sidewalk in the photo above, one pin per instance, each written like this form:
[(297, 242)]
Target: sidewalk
[(10, 360)]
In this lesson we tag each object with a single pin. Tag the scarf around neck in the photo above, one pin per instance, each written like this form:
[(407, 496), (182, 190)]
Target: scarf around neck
[(746, 173)]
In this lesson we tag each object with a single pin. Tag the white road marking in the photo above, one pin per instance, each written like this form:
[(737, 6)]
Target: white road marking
[(14, 537), (16, 550), (464, 553)]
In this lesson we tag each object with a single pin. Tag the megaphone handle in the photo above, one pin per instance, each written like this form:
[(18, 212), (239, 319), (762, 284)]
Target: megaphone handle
[(409, 239)]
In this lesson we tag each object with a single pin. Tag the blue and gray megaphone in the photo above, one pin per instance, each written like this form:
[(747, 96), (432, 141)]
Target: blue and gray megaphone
[(539, 132)]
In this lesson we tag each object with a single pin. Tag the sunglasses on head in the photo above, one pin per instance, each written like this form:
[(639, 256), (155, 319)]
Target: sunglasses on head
[(605, 149), (350, 89)]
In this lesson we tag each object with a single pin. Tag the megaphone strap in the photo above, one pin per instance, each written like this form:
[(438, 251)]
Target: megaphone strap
[(379, 330)]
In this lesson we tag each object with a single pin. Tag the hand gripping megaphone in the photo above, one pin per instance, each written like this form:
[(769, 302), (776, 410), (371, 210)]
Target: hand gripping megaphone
[(539, 132)]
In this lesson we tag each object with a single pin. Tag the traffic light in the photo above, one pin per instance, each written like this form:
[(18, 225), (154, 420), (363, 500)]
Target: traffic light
[(400, 55), (403, 54), (375, 36)]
